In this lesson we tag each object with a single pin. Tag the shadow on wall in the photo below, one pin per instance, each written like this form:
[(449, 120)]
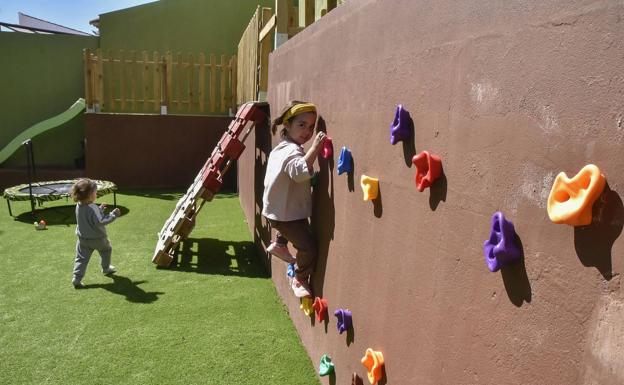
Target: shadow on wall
[(437, 191), (409, 146), (214, 256), (262, 231), (377, 204), (516, 280), (323, 216), (593, 243), (350, 179)]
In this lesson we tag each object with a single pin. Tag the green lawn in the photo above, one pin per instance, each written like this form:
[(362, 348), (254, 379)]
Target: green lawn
[(215, 319)]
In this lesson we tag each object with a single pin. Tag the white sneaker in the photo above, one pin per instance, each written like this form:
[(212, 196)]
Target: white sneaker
[(281, 252), (111, 270), (300, 288)]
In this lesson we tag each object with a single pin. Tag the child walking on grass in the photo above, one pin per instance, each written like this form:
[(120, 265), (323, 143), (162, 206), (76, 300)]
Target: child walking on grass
[(287, 198), (90, 220)]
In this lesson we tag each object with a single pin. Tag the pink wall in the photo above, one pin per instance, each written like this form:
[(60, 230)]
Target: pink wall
[(509, 95)]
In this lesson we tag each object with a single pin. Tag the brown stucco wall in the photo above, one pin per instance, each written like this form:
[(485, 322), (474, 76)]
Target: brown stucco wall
[(508, 95), (251, 175), (152, 151)]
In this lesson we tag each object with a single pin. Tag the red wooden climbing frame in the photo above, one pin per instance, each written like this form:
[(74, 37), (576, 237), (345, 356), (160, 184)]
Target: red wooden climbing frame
[(207, 182)]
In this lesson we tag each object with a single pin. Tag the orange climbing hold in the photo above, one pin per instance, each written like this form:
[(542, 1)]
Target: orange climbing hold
[(373, 361), (370, 187), (570, 200), (320, 308)]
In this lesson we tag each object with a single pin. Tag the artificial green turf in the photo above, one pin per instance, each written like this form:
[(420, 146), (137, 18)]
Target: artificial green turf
[(214, 319)]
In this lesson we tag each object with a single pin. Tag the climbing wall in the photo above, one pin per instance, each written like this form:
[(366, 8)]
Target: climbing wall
[(507, 97), (207, 182)]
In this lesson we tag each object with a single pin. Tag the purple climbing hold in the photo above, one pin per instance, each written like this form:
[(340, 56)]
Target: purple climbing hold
[(502, 248), (345, 161), (400, 129), (344, 320)]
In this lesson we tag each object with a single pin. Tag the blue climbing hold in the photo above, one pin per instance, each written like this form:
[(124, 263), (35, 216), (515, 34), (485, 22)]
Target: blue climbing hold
[(290, 270), (345, 161)]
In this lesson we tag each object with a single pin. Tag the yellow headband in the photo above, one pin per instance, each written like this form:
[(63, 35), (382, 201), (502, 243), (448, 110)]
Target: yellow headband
[(298, 109)]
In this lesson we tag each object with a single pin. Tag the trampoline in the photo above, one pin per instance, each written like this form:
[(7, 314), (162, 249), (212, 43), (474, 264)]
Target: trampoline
[(40, 192)]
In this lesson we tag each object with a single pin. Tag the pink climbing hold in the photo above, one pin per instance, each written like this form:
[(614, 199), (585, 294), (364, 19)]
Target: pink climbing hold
[(328, 148)]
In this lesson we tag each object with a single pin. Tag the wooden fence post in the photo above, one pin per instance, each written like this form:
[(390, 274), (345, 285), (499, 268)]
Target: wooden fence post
[(213, 82), (122, 80), (322, 7), (306, 12), (202, 80), (169, 82), (133, 81), (178, 71), (282, 12), (233, 85), (87, 79), (145, 86), (265, 45), (111, 81), (156, 77), (191, 76), (223, 80), (100, 81)]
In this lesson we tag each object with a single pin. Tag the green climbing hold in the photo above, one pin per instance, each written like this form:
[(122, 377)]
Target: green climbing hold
[(326, 367), (314, 179)]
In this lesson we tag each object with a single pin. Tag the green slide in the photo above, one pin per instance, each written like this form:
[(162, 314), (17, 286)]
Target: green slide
[(41, 127)]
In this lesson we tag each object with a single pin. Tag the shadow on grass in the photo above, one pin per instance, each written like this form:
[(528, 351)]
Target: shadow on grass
[(166, 194), (214, 256), (170, 194), (59, 215), (130, 289)]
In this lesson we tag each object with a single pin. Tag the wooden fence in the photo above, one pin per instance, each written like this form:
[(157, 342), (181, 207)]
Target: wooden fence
[(253, 53), (131, 82), (291, 20), (266, 31)]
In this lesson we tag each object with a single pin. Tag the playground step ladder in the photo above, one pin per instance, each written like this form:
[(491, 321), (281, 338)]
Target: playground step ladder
[(207, 182)]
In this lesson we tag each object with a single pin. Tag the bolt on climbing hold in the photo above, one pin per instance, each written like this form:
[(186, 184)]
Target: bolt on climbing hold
[(328, 148), (373, 361), (314, 179), (345, 161), (345, 320), (320, 308), (306, 306), (370, 187), (571, 199), (400, 129), (326, 366), (290, 270), (428, 169), (501, 248)]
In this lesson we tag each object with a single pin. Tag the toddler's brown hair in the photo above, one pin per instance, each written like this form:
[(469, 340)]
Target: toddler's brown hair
[(280, 119), (82, 189)]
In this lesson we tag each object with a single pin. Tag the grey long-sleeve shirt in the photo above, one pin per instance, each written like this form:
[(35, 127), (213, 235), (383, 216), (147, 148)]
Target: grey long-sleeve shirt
[(90, 220)]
